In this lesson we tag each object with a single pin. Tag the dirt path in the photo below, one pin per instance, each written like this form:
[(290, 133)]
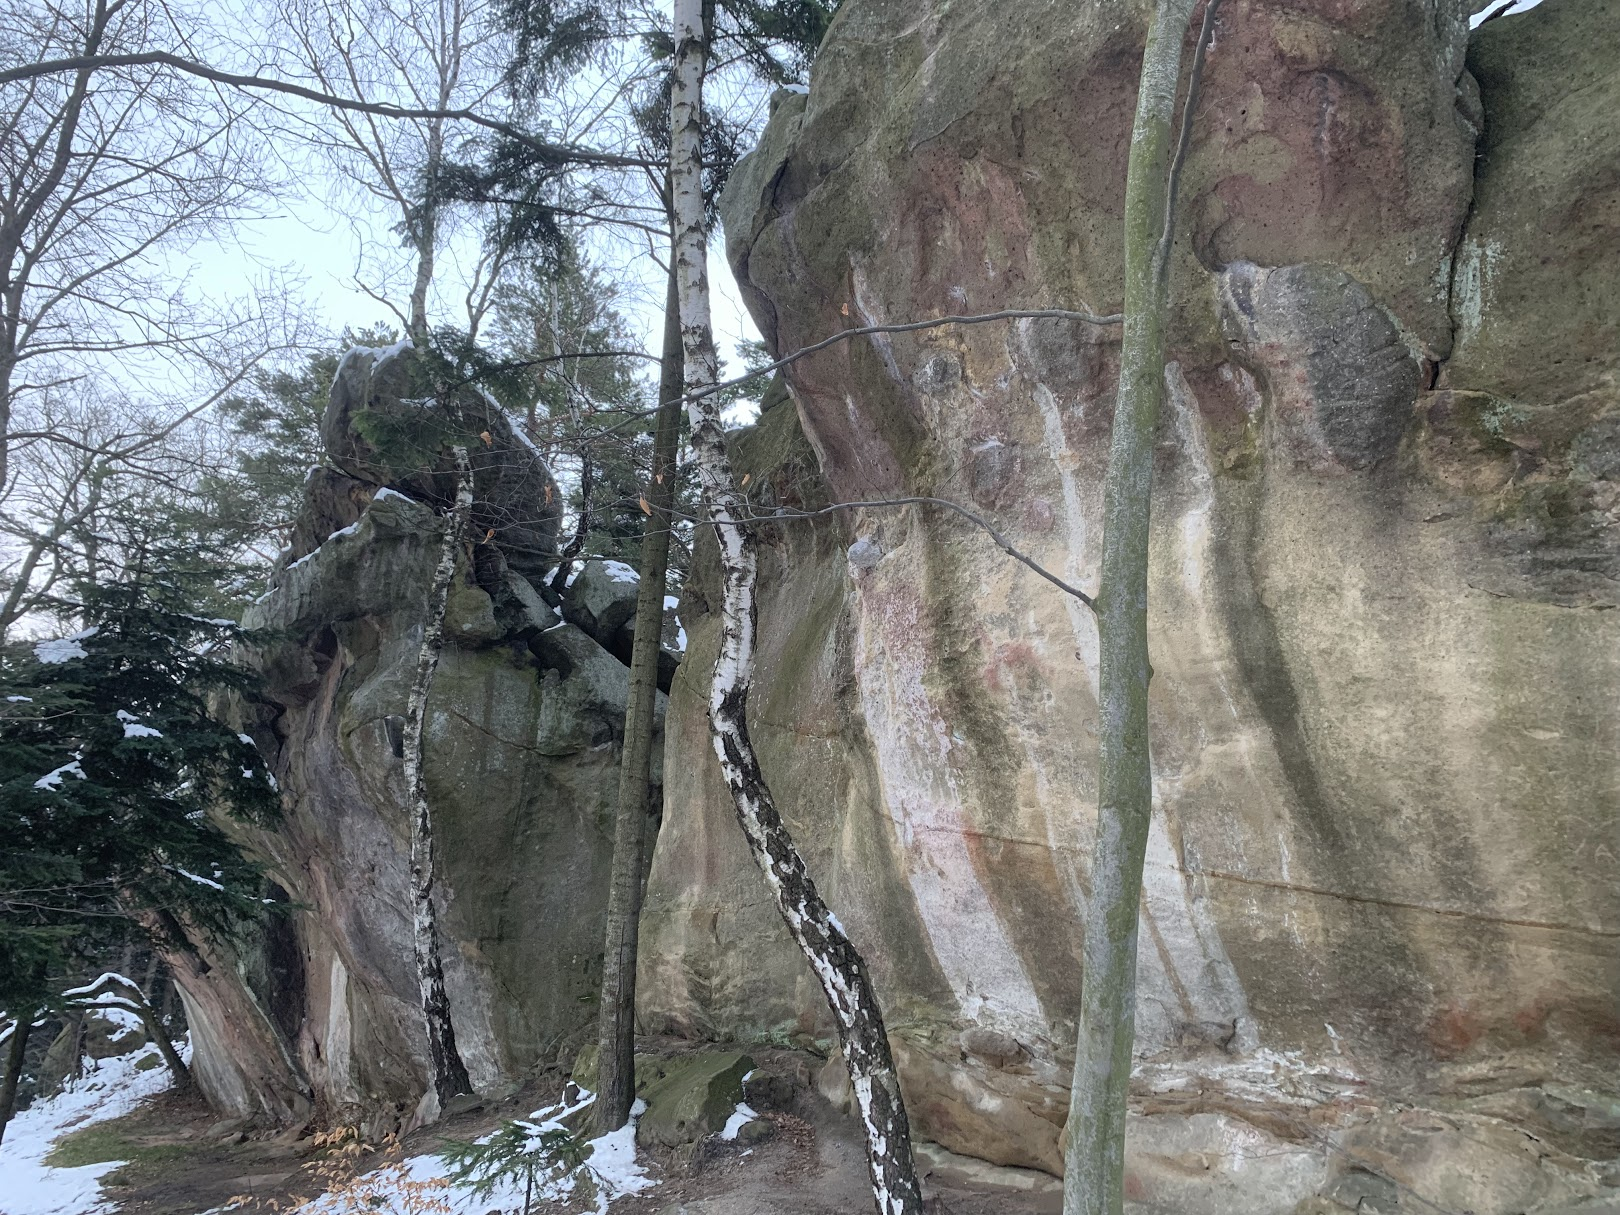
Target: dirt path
[(183, 1160)]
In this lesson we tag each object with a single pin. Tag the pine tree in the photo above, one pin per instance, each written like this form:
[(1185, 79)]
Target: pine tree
[(117, 770)]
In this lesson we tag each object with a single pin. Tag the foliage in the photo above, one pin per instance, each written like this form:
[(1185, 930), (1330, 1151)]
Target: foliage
[(349, 1181), (526, 1153), (114, 758), (274, 429)]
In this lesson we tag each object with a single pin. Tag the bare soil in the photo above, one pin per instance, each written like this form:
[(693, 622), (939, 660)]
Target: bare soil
[(183, 1160)]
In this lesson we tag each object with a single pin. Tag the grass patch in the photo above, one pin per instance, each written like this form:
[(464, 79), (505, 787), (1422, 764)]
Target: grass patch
[(108, 1141)]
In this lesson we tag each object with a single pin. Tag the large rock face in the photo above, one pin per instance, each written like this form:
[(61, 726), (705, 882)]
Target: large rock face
[(1383, 856), (522, 735)]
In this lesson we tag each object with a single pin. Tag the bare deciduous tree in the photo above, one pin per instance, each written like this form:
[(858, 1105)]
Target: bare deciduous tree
[(102, 174), (438, 55)]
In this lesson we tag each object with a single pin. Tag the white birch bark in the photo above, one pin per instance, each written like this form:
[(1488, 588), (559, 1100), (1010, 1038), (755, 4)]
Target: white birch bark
[(835, 961), (449, 1073)]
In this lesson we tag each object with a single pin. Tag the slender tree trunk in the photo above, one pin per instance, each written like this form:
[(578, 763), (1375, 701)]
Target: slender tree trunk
[(449, 1072), (616, 1079), (582, 527), (426, 234), (124, 995), (836, 963), (1094, 1166), (22, 213), (16, 1049), (160, 1035)]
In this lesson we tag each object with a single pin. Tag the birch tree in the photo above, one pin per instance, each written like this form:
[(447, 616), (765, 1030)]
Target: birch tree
[(835, 961), (1094, 1165), (449, 1077)]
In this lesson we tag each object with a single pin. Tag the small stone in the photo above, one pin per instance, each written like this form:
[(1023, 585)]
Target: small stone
[(864, 554), (757, 1131)]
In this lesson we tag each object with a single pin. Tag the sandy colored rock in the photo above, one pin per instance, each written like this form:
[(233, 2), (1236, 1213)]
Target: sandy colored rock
[(1383, 699), (521, 740)]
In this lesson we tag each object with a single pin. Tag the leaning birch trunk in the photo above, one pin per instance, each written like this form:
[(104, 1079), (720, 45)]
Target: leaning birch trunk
[(449, 1073), (16, 1050), (832, 957), (616, 1077), (1094, 1166)]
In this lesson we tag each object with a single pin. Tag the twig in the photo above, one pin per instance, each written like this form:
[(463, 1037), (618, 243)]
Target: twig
[(843, 335), (1195, 80), (1002, 542)]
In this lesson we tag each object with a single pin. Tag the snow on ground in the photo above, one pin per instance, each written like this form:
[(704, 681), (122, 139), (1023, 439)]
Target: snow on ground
[(418, 1183), (110, 1088), (740, 1117)]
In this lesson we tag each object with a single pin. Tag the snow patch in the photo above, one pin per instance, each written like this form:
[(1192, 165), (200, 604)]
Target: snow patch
[(110, 1088), (740, 1117), (612, 1168), (53, 778), (133, 727), (63, 649), (201, 881)]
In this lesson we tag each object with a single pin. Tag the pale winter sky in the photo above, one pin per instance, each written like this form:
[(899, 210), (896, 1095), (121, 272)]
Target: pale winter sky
[(311, 243)]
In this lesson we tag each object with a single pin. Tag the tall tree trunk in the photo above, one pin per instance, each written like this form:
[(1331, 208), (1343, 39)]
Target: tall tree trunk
[(449, 1072), (832, 957), (616, 1079), (1094, 1167), (16, 1049), (425, 234)]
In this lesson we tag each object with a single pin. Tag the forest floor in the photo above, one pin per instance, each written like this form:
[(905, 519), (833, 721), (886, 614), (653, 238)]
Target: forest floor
[(152, 1151)]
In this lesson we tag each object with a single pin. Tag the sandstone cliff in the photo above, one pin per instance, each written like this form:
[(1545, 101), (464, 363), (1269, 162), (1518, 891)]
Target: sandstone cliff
[(1387, 553), (521, 731)]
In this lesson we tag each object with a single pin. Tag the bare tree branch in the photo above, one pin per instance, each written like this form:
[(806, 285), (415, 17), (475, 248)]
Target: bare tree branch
[(562, 153)]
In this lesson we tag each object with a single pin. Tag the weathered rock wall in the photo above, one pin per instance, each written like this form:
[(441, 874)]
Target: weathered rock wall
[(522, 733), (1384, 717)]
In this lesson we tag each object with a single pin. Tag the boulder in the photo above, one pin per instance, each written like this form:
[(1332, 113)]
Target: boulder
[(387, 424), (521, 739), (694, 1098), (601, 598)]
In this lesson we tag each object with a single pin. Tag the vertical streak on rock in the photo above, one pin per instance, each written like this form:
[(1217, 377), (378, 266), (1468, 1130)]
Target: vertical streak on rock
[(915, 773), (449, 1073), (837, 964)]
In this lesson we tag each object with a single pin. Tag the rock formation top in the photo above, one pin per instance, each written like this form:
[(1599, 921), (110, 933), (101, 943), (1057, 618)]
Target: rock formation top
[(387, 423)]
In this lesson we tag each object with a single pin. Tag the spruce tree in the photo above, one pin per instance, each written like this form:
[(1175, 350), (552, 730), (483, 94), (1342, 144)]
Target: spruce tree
[(119, 771)]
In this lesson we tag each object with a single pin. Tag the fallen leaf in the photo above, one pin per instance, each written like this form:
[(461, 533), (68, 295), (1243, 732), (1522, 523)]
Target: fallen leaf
[(646, 507), (484, 435)]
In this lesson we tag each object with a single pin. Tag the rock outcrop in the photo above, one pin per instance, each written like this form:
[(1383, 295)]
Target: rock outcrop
[(522, 735), (1384, 724)]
